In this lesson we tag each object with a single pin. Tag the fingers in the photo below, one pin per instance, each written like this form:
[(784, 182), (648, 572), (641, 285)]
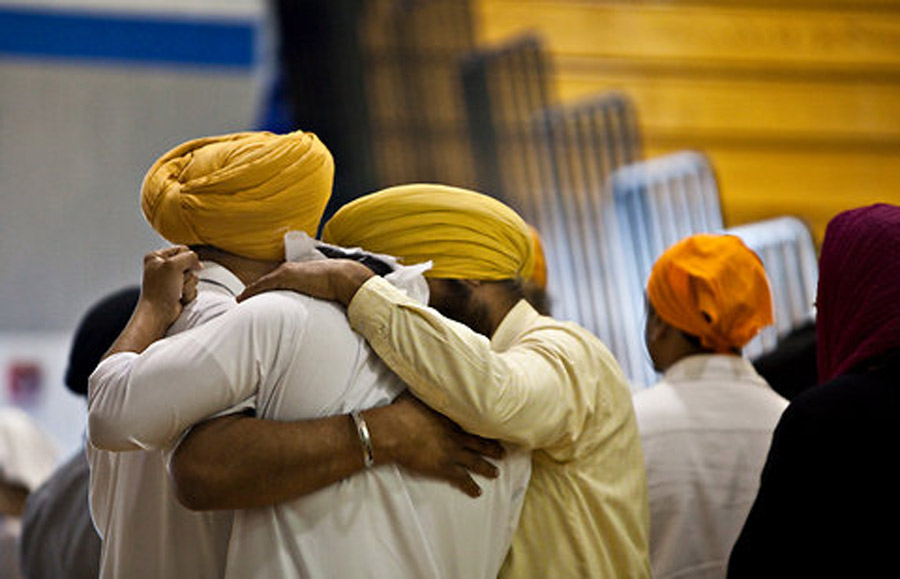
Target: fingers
[(183, 260), (189, 288), (475, 463), (484, 446), (172, 251), (175, 258), (461, 479), (270, 281), (468, 463)]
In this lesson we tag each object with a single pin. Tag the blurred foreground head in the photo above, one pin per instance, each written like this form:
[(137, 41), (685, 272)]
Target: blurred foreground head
[(858, 301)]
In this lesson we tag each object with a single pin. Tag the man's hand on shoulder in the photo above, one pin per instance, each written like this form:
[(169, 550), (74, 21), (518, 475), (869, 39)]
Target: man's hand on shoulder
[(327, 279), (428, 443)]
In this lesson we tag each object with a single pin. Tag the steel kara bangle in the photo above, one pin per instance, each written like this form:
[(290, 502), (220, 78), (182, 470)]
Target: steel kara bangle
[(364, 438)]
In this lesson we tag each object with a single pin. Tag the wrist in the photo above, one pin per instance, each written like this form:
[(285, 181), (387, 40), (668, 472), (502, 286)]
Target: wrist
[(153, 319), (348, 278), (382, 443), (365, 439), (147, 324)]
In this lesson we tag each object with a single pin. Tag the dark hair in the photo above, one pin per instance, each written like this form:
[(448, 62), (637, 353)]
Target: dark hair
[(537, 297), (96, 332), (529, 291), (377, 266)]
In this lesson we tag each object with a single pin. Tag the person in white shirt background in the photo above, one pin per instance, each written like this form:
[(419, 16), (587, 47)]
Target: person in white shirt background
[(205, 193), (706, 427), (58, 536), (27, 457)]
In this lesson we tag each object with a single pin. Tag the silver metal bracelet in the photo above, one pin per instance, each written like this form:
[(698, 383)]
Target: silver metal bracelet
[(363, 431)]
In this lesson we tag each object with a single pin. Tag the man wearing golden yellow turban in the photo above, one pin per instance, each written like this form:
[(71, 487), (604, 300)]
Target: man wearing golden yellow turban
[(505, 372), (706, 427), (233, 199)]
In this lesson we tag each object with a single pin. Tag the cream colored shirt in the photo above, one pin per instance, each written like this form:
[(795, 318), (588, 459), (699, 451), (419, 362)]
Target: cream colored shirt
[(706, 430), (550, 386)]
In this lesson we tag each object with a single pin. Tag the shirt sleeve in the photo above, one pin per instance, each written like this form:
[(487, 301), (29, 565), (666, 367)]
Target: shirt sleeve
[(532, 394), (147, 401)]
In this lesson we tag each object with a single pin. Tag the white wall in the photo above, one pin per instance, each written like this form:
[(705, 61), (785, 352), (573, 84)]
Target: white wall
[(75, 140)]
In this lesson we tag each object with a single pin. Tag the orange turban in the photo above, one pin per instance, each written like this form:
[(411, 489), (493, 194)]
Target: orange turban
[(713, 287), (466, 235), (240, 192)]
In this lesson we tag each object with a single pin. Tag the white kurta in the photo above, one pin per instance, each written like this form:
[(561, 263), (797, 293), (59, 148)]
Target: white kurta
[(146, 532), (300, 359), (705, 429)]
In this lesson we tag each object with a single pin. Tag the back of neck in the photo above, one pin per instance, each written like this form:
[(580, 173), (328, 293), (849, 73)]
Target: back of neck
[(246, 269)]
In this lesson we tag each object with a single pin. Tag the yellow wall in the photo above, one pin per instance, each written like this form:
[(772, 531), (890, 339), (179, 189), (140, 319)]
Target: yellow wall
[(797, 102)]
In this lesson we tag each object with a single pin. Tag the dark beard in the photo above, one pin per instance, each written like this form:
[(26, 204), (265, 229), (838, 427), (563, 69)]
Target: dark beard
[(459, 306)]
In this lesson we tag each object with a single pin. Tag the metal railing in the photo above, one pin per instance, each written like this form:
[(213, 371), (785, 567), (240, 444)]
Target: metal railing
[(788, 253)]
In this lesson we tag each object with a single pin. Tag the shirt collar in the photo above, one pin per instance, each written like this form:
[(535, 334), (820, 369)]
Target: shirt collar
[(719, 367), (220, 276), (521, 317)]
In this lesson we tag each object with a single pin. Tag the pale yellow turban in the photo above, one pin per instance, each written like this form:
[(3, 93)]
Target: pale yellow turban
[(240, 192), (713, 287), (467, 235)]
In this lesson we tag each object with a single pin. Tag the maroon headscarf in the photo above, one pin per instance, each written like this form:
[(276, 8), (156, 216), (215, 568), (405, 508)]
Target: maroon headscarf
[(858, 303)]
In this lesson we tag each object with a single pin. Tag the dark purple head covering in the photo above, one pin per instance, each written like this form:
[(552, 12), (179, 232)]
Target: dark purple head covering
[(858, 304)]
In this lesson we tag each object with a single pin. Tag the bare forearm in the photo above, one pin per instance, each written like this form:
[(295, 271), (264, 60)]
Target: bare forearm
[(146, 325), (237, 462)]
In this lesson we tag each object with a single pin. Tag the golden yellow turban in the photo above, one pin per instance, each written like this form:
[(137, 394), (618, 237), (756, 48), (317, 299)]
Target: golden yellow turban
[(467, 235), (539, 271), (240, 192), (713, 287)]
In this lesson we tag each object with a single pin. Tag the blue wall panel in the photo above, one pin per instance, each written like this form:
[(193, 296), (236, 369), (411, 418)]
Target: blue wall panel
[(127, 38)]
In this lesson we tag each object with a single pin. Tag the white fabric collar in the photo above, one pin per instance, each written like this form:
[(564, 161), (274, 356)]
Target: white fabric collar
[(219, 275), (298, 246), (719, 367)]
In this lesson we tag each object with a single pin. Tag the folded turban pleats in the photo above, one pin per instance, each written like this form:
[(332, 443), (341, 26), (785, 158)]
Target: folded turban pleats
[(239, 192), (467, 235)]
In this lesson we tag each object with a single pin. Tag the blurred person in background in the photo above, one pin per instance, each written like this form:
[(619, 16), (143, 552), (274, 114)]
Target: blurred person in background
[(706, 427), (484, 357), (828, 499), (58, 537), (27, 457), (791, 367)]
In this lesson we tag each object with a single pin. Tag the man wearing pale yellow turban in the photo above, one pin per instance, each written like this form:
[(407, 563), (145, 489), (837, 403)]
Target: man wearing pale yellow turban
[(233, 199), (505, 372), (706, 427)]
